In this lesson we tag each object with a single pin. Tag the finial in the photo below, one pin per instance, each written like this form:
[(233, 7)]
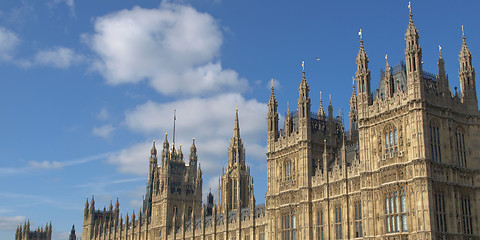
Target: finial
[(303, 63), (272, 84), (330, 98), (463, 35), (353, 81), (410, 7), (440, 51), (386, 57), (361, 38), (288, 107), (320, 96)]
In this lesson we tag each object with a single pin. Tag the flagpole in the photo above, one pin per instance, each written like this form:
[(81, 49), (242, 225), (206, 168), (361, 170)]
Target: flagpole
[(174, 118)]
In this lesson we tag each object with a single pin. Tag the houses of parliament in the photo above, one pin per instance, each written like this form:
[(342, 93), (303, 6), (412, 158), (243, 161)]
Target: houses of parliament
[(408, 168)]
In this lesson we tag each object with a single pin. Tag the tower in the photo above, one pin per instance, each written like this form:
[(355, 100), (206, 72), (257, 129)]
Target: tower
[(235, 182)]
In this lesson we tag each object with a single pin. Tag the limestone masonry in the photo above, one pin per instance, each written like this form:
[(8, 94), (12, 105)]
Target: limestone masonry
[(408, 168)]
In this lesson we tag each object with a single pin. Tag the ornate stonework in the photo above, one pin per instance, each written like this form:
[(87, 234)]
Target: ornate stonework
[(409, 168)]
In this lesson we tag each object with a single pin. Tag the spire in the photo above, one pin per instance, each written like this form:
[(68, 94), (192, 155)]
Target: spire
[(330, 108), (388, 80), (236, 149), (303, 100), (413, 46), (72, 236), (413, 60), (466, 75), (165, 142), (363, 73), (272, 118), (352, 115), (442, 79), (85, 211), (193, 153), (236, 129), (180, 153), (153, 152), (321, 111)]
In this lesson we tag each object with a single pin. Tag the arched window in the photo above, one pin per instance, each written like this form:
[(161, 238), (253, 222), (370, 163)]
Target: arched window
[(289, 225), (435, 142), (288, 170), (338, 222), (460, 147), (396, 211), (391, 139)]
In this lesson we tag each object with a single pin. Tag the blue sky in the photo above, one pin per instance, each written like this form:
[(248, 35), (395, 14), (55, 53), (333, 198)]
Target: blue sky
[(87, 85)]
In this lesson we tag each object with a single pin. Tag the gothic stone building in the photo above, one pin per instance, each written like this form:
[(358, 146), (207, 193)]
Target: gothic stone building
[(173, 206), (24, 233), (409, 168)]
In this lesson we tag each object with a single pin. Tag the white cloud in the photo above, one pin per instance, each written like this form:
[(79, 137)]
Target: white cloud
[(132, 160), (9, 42), (10, 222), (274, 82), (174, 48), (103, 114), (59, 57), (210, 120), (45, 164), (69, 3), (104, 131)]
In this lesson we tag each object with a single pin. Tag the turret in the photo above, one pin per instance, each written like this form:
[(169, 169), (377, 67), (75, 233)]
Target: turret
[(165, 150), (92, 205), (303, 98), (85, 210), (442, 78), (388, 80), (272, 118), (352, 115), (413, 60), (72, 236), (363, 76), (236, 151), (193, 154), (466, 74), (321, 112)]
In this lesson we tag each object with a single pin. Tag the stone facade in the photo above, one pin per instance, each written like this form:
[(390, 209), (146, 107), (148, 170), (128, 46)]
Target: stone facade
[(24, 233), (409, 168)]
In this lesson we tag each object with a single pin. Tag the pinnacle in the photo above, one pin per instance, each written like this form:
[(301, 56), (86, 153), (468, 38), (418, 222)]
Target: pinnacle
[(236, 129)]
